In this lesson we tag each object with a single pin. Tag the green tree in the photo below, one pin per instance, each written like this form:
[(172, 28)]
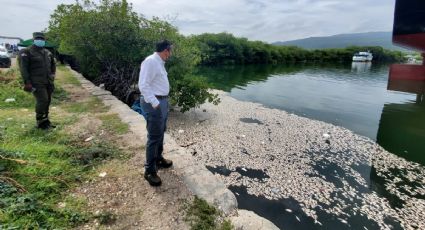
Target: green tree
[(110, 40), (224, 48)]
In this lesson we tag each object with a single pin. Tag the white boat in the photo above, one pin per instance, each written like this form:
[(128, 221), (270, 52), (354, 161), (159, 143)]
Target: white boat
[(363, 56)]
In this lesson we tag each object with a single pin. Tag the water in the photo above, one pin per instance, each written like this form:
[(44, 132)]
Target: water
[(354, 96)]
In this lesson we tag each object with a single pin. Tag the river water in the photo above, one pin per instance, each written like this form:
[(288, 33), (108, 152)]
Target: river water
[(354, 96)]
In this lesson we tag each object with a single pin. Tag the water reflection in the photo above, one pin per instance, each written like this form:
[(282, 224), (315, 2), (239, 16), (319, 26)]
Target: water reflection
[(352, 95), (402, 130), (402, 127), (227, 78), (361, 67)]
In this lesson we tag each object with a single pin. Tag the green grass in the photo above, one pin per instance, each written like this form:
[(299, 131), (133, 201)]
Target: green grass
[(93, 105), (11, 87), (113, 123), (37, 167), (59, 95), (52, 165), (106, 218), (202, 216), (48, 170), (67, 77)]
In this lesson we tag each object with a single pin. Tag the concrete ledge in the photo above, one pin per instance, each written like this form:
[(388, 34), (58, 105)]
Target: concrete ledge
[(196, 177), (247, 220)]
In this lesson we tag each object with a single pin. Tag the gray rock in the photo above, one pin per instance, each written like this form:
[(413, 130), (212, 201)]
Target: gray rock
[(247, 220)]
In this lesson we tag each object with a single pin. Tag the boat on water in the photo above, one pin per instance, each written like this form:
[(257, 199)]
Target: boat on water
[(363, 57)]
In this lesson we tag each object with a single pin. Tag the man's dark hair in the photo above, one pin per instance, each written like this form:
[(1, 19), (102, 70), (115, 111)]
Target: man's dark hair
[(163, 45)]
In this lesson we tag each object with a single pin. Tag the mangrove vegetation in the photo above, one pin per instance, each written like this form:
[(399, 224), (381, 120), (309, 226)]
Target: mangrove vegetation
[(109, 41)]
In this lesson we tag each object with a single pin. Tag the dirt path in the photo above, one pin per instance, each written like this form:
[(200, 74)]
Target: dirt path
[(121, 197)]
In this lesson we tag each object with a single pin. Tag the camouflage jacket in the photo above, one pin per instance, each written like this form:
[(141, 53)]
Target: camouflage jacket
[(37, 65)]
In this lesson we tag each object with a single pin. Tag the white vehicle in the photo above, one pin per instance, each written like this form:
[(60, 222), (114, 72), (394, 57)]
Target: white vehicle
[(363, 56), (4, 58), (3, 51)]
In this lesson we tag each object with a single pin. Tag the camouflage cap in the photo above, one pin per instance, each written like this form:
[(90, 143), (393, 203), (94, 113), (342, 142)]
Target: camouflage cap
[(38, 35)]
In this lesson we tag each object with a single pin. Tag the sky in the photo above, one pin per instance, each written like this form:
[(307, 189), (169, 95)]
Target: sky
[(264, 20)]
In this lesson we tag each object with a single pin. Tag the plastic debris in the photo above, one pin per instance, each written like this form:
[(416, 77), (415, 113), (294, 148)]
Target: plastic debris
[(8, 100)]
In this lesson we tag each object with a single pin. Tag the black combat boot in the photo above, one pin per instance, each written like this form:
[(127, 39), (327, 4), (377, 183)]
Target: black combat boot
[(44, 125), (50, 125)]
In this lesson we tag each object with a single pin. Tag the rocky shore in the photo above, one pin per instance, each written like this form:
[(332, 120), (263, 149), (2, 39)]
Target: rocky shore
[(300, 172)]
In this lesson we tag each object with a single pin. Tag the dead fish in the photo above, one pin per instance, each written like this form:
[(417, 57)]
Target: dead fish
[(298, 218), (317, 222), (343, 221)]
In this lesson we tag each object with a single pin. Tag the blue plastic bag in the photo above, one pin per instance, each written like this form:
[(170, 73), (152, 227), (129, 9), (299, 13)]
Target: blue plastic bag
[(136, 107)]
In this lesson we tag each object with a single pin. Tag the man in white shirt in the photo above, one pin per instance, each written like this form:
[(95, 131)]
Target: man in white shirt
[(154, 87)]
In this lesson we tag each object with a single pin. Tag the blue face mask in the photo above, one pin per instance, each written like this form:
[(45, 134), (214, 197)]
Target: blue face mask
[(39, 43)]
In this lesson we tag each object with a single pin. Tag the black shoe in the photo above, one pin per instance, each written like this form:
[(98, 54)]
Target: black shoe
[(44, 125), (164, 163), (50, 125), (153, 179)]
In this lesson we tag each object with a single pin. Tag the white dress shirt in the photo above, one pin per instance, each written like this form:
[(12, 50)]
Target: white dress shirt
[(153, 79)]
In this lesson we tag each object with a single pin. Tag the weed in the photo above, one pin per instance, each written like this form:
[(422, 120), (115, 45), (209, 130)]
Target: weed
[(93, 105), (11, 88), (47, 172), (203, 216), (59, 95), (226, 225), (93, 154), (66, 77), (37, 166), (25, 211), (113, 123), (106, 218)]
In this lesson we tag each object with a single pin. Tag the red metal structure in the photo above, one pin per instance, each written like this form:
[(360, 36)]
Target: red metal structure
[(409, 32), (401, 127), (409, 24)]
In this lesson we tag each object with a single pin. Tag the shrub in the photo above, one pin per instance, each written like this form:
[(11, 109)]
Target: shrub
[(110, 40)]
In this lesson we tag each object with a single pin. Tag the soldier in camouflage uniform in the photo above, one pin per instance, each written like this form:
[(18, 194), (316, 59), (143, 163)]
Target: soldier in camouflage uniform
[(38, 69)]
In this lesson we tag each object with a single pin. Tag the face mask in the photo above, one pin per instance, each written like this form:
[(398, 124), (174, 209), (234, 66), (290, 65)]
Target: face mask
[(39, 43)]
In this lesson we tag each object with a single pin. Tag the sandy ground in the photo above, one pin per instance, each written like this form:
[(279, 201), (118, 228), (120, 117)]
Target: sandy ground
[(311, 173)]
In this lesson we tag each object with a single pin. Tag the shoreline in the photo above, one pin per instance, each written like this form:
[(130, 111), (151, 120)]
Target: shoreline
[(313, 170)]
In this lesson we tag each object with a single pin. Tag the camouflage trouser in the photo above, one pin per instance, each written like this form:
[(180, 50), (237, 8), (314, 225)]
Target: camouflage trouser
[(43, 96)]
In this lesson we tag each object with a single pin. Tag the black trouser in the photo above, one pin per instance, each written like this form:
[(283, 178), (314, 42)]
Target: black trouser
[(43, 97)]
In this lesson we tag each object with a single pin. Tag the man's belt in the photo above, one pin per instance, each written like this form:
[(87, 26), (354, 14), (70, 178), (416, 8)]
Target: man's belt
[(161, 97)]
